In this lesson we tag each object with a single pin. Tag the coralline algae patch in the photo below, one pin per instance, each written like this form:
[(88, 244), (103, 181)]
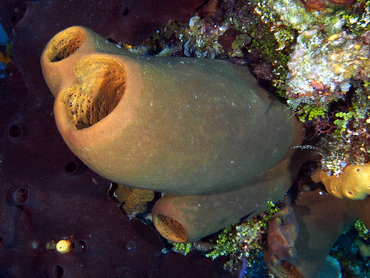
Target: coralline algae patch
[(321, 68)]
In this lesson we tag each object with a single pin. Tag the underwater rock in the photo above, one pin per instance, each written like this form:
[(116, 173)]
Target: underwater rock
[(321, 67)]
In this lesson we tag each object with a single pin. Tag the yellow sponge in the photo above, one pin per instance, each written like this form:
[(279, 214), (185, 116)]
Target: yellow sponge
[(64, 246), (353, 183)]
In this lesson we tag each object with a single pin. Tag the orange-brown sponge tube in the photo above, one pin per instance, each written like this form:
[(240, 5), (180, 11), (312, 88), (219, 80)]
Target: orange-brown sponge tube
[(176, 125), (189, 218)]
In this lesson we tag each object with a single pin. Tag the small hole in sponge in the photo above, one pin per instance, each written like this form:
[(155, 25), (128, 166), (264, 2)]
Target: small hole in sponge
[(170, 228), (81, 246), (75, 168), (20, 196), (2, 242), (15, 130), (65, 44), (125, 10), (71, 167), (58, 271), (102, 83), (20, 14)]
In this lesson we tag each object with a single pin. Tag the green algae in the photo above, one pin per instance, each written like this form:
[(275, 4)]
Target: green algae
[(243, 239)]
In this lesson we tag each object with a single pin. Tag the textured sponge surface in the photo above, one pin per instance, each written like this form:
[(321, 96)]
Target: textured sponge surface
[(101, 84), (65, 44)]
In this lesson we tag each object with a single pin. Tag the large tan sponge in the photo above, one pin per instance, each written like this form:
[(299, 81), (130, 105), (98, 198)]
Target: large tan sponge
[(174, 125)]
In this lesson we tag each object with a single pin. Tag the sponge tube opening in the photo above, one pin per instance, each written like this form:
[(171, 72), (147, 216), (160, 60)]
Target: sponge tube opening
[(101, 85), (170, 228), (65, 44)]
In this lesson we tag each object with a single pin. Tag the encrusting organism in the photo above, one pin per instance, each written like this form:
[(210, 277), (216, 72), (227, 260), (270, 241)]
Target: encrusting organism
[(353, 183), (134, 200), (64, 246)]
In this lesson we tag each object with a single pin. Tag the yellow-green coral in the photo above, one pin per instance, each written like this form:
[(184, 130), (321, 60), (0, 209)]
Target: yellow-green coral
[(327, 63), (288, 12), (353, 183), (310, 112), (363, 232), (324, 64), (182, 248), (287, 19)]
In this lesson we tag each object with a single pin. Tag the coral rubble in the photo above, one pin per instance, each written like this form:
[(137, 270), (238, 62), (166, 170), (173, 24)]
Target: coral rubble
[(321, 68)]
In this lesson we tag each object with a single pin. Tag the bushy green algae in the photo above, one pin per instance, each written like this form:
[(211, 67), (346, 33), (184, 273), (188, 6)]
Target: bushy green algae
[(238, 241), (243, 240), (182, 248), (348, 142)]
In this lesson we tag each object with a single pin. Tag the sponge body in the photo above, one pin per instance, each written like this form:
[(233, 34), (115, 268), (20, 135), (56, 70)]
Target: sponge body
[(183, 126), (201, 131)]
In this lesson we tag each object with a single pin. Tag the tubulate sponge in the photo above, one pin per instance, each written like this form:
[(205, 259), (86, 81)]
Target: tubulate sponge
[(201, 130), (353, 183), (175, 125)]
